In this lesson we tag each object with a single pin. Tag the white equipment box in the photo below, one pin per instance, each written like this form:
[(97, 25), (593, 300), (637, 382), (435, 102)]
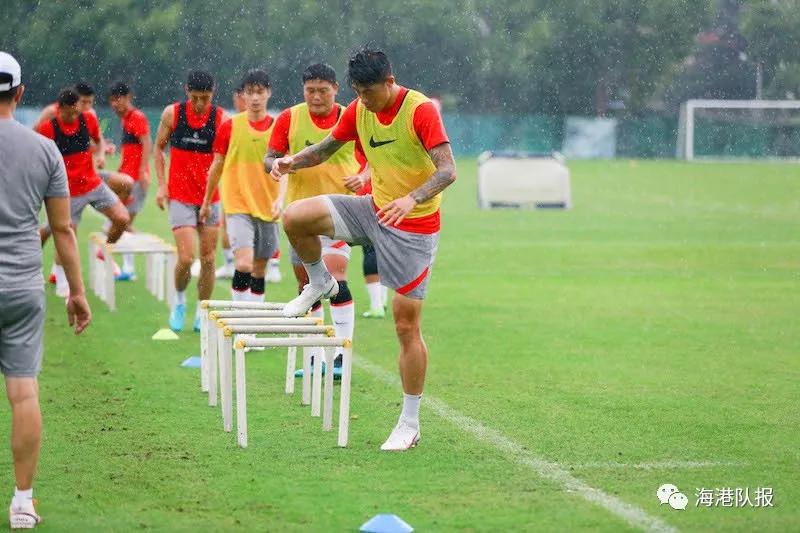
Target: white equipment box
[(523, 180)]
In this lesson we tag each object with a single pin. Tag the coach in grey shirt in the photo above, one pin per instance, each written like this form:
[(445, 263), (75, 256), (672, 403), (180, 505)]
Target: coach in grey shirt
[(31, 173)]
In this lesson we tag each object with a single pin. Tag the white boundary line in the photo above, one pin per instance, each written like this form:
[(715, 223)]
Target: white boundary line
[(632, 515), (654, 465)]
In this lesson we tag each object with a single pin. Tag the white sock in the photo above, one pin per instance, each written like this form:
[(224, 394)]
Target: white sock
[(411, 408), (254, 297), (180, 297), (375, 295), (228, 253), (343, 317), (274, 262), (240, 296), (384, 295), (23, 498), (128, 263), (53, 269), (197, 311), (318, 273), (61, 277)]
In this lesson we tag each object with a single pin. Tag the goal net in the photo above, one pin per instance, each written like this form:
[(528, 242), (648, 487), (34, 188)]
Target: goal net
[(739, 129)]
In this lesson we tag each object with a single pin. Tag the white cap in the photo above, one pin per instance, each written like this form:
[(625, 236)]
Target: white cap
[(9, 66)]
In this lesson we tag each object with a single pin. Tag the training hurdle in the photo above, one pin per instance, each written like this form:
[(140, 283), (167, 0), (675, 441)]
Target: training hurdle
[(329, 345), (160, 258)]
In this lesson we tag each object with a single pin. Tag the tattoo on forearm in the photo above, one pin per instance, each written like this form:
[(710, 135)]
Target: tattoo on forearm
[(442, 157), (316, 154), (270, 158)]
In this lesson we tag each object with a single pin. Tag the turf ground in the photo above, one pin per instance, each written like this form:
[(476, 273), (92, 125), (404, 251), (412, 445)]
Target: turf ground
[(648, 336)]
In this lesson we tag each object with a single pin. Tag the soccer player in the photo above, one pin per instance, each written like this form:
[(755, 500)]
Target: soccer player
[(120, 183), (31, 173), (248, 195), (303, 125), (189, 127), (227, 269), (135, 147), (73, 131), (411, 164)]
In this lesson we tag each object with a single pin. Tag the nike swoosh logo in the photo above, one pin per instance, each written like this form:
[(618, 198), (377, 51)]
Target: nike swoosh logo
[(309, 143), (375, 144)]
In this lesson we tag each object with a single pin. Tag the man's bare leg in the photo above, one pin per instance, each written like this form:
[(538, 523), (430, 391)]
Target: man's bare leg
[(184, 242)]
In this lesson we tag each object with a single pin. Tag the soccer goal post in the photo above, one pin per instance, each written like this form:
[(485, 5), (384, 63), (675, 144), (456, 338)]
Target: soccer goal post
[(739, 129)]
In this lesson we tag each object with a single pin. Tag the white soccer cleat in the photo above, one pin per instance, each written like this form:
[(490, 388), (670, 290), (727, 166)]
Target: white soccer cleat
[(311, 293), (273, 272), (23, 516), (404, 437), (224, 272), (195, 270)]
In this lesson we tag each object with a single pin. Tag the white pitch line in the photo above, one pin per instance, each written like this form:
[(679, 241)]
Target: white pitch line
[(549, 470), (654, 465)]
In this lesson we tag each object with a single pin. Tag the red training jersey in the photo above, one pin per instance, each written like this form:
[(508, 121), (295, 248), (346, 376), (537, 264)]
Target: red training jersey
[(191, 152), (73, 142), (134, 125)]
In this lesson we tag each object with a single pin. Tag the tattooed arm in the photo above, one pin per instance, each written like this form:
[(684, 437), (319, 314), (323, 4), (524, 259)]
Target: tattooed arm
[(308, 157), (442, 156)]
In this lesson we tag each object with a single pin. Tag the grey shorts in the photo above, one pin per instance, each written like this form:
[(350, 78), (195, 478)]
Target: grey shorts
[(21, 331), (100, 198), (137, 198), (329, 247), (245, 231), (405, 259), (181, 214), (105, 175)]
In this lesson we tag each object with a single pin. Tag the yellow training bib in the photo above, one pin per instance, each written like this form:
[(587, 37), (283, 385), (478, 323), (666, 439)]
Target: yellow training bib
[(325, 178), (246, 187), (398, 161)]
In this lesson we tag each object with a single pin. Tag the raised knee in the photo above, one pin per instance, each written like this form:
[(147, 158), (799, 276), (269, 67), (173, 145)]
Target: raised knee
[(290, 217), (121, 218)]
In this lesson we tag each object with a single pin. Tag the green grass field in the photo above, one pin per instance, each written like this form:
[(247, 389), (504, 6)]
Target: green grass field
[(647, 336)]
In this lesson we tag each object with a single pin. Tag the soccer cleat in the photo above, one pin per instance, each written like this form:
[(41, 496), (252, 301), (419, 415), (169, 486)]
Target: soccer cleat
[(374, 313), (23, 516), (404, 437), (52, 279), (273, 272), (177, 317), (125, 276), (195, 269), (225, 271), (311, 293), (196, 326)]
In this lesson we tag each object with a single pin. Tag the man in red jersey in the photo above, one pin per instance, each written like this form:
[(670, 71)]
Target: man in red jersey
[(73, 131), (135, 147), (411, 163), (189, 127)]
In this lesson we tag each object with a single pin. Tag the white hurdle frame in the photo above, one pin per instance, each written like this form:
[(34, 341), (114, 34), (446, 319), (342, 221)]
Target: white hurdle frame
[(160, 258), (328, 344)]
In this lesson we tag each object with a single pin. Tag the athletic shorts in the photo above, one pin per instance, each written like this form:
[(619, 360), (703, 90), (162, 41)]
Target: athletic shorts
[(405, 259), (245, 231), (105, 175), (329, 247), (21, 331), (100, 198), (137, 198), (183, 215)]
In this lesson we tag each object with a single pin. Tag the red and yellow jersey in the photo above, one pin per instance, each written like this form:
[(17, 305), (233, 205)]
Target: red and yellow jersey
[(396, 143), (327, 177), (246, 187)]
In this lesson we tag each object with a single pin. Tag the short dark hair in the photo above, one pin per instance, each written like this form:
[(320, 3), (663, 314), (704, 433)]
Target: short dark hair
[(7, 96), (119, 88), (319, 71), (68, 96), (368, 66), (84, 89), (200, 80), (256, 76)]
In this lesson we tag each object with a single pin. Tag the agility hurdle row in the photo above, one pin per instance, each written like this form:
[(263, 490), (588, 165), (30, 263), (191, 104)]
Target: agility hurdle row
[(228, 326), (160, 258)]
